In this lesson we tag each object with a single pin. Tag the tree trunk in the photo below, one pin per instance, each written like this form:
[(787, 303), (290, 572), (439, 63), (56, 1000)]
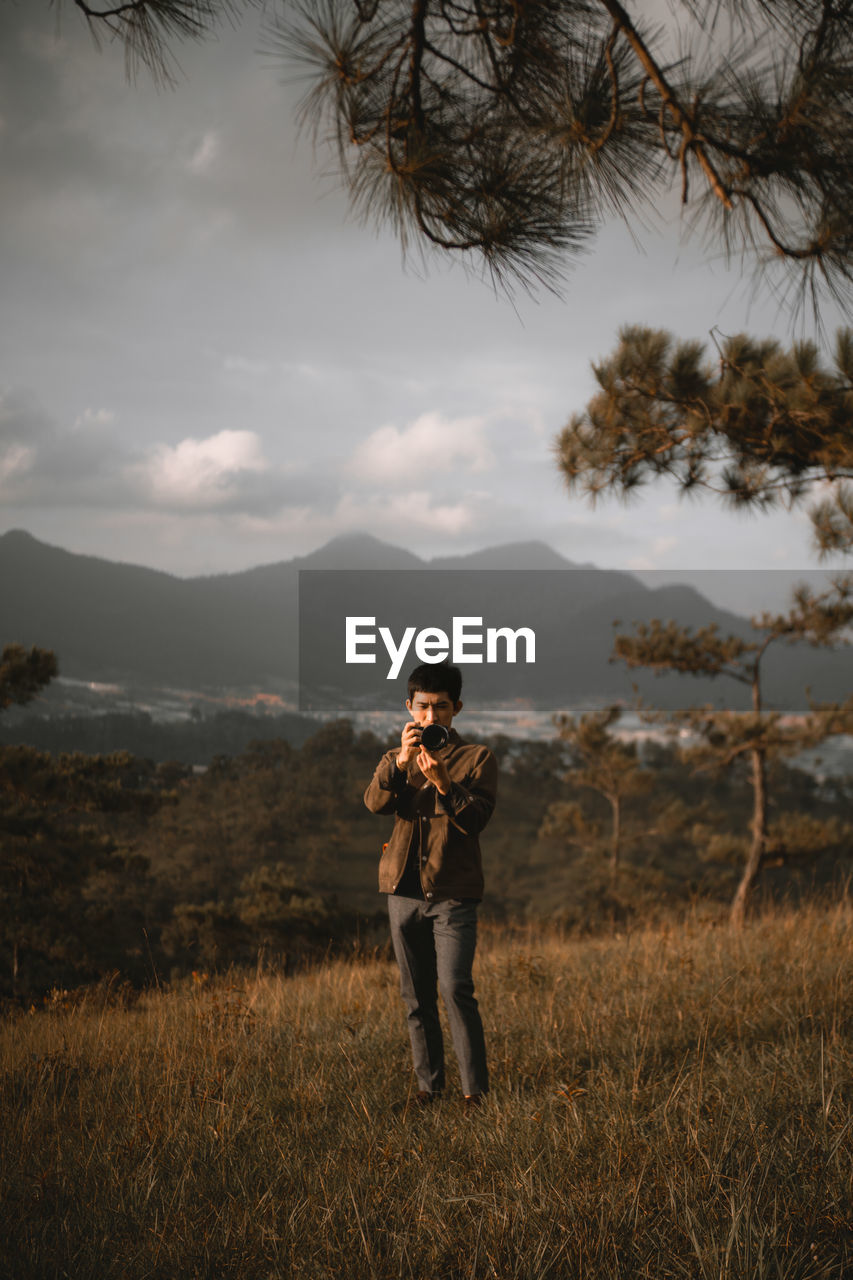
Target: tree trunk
[(755, 856), (615, 838)]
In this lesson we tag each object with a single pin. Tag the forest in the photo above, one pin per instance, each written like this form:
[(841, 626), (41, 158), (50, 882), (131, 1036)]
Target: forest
[(126, 872)]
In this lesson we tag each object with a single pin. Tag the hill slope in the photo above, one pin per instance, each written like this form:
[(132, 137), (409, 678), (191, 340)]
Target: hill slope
[(126, 624)]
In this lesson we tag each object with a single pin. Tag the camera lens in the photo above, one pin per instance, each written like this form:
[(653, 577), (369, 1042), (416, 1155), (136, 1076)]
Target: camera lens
[(434, 737)]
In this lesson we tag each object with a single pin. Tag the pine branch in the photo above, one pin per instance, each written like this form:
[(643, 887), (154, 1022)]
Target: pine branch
[(762, 427), (582, 90), (147, 27)]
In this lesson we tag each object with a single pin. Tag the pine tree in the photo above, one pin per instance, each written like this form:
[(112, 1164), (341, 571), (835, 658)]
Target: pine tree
[(605, 764), (760, 426), (24, 673), (758, 735), (511, 129), (59, 828), (271, 915)]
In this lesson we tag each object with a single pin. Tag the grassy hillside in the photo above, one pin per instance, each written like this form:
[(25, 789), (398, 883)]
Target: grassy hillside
[(675, 1103)]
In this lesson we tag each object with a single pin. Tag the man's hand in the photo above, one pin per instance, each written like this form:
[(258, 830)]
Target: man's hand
[(435, 771), (410, 742)]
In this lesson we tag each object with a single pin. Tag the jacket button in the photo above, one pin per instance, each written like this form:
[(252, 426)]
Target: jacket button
[(429, 895)]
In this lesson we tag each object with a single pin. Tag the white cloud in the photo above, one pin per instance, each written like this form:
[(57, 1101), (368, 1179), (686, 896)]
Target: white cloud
[(404, 513), (206, 154), (94, 418), (246, 366), (433, 443), (657, 551), (91, 465), (16, 460), (198, 472), (670, 511)]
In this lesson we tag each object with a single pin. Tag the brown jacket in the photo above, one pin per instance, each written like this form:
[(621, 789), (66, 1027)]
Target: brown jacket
[(448, 826)]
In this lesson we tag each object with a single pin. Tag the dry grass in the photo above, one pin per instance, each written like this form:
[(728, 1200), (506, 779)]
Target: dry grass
[(671, 1104)]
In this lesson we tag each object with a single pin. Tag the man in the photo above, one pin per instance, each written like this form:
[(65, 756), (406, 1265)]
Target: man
[(432, 873)]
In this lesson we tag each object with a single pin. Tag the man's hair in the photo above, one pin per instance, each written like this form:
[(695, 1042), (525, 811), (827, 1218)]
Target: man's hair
[(436, 677)]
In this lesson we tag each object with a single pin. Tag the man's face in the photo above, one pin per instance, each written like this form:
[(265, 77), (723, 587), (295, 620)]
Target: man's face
[(433, 708)]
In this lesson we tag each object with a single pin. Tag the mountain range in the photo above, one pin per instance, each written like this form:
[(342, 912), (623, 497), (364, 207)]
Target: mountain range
[(126, 625)]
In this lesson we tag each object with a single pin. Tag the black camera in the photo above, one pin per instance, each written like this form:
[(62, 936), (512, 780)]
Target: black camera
[(434, 737)]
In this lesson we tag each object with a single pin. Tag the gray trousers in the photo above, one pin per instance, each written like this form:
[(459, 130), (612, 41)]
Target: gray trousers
[(434, 943)]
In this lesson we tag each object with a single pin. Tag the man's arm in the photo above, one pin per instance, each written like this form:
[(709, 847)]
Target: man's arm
[(386, 786), (469, 805), (390, 779)]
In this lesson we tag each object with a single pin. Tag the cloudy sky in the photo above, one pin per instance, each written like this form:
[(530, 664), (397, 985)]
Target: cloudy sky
[(207, 364)]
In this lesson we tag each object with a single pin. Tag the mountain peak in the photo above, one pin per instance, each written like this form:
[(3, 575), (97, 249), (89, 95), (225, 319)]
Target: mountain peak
[(359, 551), (19, 537), (509, 555)]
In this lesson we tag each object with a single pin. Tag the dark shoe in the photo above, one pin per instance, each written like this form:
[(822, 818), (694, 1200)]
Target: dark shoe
[(473, 1101)]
